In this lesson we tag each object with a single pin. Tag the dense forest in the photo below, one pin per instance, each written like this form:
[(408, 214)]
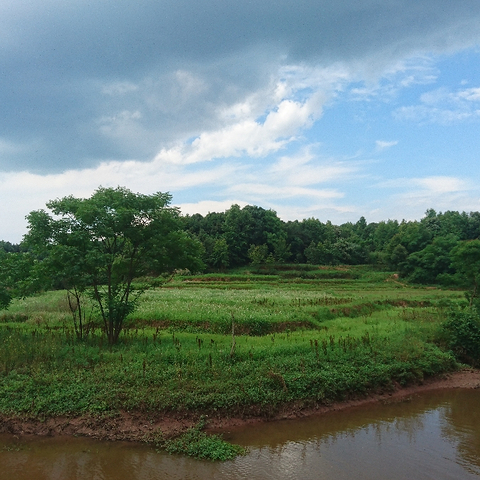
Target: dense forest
[(422, 251)]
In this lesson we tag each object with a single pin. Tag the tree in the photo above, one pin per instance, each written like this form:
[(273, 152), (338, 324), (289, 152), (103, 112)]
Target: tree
[(312, 254), (238, 226), (9, 247), (281, 251), (347, 253), (5, 295), (301, 235), (253, 225), (466, 260), (258, 254), (219, 256), (398, 257), (383, 234), (100, 244), (433, 263), (18, 276)]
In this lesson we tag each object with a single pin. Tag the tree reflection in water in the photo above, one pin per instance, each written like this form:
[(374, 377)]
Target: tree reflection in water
[(462, 426)]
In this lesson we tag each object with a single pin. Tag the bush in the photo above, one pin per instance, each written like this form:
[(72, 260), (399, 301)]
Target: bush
[(462, 330)]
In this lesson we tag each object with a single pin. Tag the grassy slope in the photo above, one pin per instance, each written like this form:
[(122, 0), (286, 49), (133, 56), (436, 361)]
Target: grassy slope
[(305, 336)]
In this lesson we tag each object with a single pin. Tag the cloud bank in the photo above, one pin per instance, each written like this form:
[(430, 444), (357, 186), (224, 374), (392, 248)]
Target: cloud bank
[(221, 101)]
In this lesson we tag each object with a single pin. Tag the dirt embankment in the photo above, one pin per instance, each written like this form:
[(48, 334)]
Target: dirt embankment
[(151, 427)]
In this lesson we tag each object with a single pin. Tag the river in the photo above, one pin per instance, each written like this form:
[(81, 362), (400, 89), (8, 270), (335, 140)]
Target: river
[(435, 435)]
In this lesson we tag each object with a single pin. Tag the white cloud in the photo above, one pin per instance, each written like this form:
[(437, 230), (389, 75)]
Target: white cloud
[(146, 177), (264, 192), (441, 184), (249, 136), (289, 178), (324, 211), (470, 94), (207, 206), (419, 194), (119, 124), (384, 145), (402, 74), (195, 114), (443, 106), (306, 168), (431, 184), (410, 198), (261, 121)]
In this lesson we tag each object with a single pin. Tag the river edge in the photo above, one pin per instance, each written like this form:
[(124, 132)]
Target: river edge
[(141, 427)]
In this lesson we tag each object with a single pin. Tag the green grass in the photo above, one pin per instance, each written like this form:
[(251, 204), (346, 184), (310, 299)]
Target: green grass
[(188, 372), (196, 443), (296, 341)]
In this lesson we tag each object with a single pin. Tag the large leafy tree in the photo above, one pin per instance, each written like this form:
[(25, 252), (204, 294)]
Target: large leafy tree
[(251, 225), (99, 245), (432, 264)]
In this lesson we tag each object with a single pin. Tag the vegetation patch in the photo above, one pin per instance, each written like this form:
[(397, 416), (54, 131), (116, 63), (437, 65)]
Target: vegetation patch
[(462, 332), (196, 443), (231, 351)]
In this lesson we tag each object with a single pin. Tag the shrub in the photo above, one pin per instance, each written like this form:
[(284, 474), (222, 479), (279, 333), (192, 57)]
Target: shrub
[(462, 330)]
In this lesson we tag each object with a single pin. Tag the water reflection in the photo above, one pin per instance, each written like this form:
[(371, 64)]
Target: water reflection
[(436, 435), (461, 425)]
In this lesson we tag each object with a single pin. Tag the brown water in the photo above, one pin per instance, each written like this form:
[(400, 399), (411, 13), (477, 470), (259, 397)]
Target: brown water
[(434, 436)]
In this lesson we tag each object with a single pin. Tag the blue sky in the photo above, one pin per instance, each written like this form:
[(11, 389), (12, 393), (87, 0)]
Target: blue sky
[(326, 109)]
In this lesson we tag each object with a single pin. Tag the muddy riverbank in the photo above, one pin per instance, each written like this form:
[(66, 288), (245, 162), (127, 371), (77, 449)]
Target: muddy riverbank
[(139, 427)]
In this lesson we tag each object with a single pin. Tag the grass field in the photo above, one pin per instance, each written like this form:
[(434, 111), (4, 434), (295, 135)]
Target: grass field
[(307, 336)]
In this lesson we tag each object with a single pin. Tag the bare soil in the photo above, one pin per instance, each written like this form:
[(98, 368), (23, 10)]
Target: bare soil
[(143, 427)]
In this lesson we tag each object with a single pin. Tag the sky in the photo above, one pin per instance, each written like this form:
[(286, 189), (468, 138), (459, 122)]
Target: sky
[(332, 109)]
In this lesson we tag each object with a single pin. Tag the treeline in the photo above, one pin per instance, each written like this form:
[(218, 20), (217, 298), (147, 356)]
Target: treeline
[(422, 251)]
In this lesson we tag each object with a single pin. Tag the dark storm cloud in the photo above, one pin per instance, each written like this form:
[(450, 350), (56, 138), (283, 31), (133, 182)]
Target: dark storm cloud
[(58, 61), (109, 37)]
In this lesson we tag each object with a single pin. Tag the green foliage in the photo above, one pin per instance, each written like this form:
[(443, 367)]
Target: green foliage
[(466, 259), (317, 254), (253, 225), (281, 250), (347, 252), (435, 260), (219, 257), (383, 233), (463, 335), (5, 296), (397, 257), (258, 254), (18, 276), (402, 247), (297, 341), (100, 244), (9, 247), (198, 444), (304, 335)]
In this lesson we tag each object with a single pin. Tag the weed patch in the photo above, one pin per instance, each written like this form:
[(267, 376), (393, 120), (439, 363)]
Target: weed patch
[(196, 443)]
